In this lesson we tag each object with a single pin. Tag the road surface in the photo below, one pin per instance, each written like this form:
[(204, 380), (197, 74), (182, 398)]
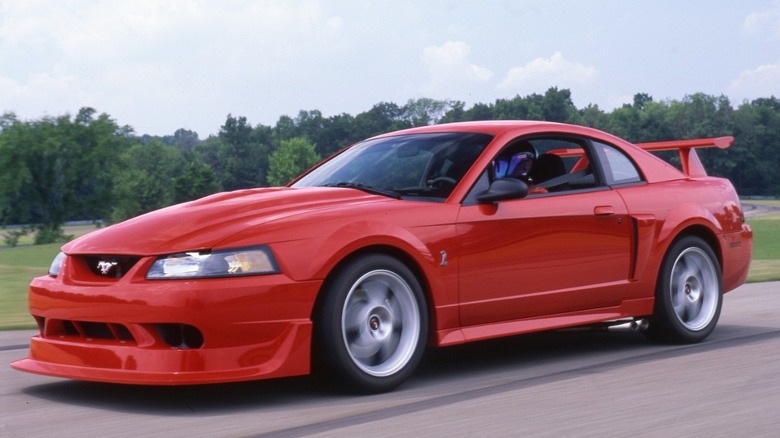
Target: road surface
[(552, 384)]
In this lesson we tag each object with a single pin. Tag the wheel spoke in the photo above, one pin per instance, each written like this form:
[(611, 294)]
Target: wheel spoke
[(364, 350), (687, 269), (678, 304), (387, 348), (354, 318), (678, 294), (693, 309), (359, 340), (394, 306), (377, 293)]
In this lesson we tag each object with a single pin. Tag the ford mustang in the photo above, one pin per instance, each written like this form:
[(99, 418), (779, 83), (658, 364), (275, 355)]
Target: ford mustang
[(422, 238)]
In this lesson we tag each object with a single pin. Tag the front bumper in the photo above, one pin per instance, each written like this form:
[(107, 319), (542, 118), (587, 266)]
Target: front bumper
[(287, 355), (171, 332)]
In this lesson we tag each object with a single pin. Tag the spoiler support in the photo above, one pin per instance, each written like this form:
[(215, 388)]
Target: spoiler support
[(691, 164)]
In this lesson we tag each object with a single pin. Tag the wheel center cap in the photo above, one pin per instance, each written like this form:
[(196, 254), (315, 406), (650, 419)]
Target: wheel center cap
[(373, 322)]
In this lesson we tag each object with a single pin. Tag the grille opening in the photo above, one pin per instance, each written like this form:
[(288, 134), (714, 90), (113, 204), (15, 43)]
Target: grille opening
[(97, 330), (122, 332), (41, 322), (110, 266), (69, 328), (180, 335)]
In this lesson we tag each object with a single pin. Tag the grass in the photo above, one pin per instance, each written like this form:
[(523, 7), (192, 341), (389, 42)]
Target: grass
[(29, 238), (766, 250), (19, 265)]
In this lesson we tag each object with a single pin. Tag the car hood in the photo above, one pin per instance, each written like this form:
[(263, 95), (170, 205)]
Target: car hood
[(203, 223)]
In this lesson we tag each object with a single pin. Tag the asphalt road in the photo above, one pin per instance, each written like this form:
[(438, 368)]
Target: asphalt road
[(753, 209), (552, 384)]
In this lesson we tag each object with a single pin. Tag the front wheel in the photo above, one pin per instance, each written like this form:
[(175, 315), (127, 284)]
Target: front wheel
[(373, 323), (689, 293)]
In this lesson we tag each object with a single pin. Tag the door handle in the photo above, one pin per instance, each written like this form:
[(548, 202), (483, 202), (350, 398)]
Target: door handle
[(604, 210)]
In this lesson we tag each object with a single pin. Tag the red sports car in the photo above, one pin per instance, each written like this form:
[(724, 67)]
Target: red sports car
[(426, 237)]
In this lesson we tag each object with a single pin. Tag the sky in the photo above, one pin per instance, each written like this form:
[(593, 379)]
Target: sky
[(160, 66)]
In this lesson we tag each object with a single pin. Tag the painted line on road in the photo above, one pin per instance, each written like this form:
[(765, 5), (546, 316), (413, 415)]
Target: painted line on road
[(14, 347)]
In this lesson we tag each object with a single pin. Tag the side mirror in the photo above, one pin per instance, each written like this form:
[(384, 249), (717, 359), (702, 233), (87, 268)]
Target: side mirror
[(503, 189)]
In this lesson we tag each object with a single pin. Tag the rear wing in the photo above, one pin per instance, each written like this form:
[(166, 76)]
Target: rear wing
[(691, 164)]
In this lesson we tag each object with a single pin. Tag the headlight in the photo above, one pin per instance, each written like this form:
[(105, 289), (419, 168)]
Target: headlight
[(256, 260), (56, 264)]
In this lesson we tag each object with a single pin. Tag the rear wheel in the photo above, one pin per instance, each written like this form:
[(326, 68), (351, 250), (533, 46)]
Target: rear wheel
[(689, 293), (373, 323)]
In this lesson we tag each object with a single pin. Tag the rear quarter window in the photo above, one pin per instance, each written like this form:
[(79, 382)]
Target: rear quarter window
[(618, 168)]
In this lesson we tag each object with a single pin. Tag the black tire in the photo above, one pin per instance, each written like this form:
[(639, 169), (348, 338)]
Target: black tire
[(372, 325), (689, 293)]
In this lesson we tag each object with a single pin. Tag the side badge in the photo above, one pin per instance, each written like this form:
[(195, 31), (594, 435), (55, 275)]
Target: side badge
[(443, 259)]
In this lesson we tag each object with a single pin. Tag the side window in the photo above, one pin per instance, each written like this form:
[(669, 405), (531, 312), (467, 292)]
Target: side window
[(546, 164), (618, 168)]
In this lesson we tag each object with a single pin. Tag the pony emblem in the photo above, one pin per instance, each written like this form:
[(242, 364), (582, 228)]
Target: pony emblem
[(105, 266)]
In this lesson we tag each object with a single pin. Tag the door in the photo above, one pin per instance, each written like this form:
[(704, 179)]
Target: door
[(543, 255)]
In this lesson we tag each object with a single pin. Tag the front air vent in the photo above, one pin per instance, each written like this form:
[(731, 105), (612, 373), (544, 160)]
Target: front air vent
[(84, 330)]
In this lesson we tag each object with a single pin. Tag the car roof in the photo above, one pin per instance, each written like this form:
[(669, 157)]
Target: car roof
[(494, 127), (498, 128)]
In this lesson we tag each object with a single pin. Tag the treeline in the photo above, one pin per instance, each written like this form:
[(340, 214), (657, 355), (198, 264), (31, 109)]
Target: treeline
[(65, 168)]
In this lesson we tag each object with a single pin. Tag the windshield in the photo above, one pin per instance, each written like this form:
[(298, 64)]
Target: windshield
[(412, 165)]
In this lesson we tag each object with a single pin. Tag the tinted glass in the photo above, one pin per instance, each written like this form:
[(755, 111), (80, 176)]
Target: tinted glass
[(423, 165), (618, 169)]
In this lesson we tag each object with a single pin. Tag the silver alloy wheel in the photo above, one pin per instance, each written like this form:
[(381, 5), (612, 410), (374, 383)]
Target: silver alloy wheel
[(694, 289), (380, 323)]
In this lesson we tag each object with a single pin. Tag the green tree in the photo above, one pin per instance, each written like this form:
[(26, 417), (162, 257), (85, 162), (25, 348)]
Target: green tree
[(382, 117), (293, 157), (456, 113), (195, 180), (95, 144), (185, 139), (699, 115), (338, 132), (148, 180), (238, 155), (518, 108), (424, 111), (480, 111), (57, 169), (557, 106), (594, 117), (756, 150)]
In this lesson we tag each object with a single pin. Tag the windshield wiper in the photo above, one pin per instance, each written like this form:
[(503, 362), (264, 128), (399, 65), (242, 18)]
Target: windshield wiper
[(365, 188)]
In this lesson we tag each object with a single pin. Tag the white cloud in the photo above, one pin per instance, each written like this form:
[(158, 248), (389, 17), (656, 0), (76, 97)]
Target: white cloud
[(157, 61), (335, 24), (757, 22), (449, 65), (159, 66), (542, 73), (763, 81)]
